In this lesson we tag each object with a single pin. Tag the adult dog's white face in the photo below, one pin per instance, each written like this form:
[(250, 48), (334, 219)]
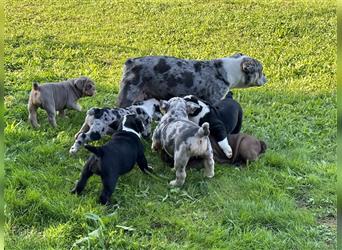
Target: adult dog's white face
[(243, 71)]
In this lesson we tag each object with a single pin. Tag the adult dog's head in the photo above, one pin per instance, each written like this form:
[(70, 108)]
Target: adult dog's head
[(242, 71)]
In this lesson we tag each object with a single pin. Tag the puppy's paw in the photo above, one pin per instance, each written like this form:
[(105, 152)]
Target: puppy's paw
[(173, 169), (75, 190), (150, 167), (209, 174), (72, 150), (229, 154), (173, 183)]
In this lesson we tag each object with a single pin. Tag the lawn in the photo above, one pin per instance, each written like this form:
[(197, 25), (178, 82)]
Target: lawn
[(285, 200)]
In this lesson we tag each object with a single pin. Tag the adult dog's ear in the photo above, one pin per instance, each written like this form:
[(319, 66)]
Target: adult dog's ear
[(248, 65), (192, 107), (164, 106)]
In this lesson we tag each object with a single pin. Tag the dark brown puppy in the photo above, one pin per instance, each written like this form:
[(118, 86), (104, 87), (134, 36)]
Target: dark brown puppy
[(58, 96), (245, 148)]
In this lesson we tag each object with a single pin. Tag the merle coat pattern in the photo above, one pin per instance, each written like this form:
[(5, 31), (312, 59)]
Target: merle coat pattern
[(182, 139), (115, 158), (164, 77), (104, 121)]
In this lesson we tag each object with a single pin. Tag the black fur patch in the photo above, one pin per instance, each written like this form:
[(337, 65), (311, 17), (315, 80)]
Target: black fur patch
[(171, 81), (136, 71), (94, 136), (197, 66), (161, 67), (98, 113), (188, 79)]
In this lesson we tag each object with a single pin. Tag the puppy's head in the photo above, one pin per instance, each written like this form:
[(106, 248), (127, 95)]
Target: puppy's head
[(263, 147), (152, 107), (195, 106), (85, 85), (176, 107), (251, 71), (131, 123)]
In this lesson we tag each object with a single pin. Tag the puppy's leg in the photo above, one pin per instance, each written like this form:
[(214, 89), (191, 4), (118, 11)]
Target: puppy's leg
[(96, 132), (109, 183), (33, 115), (61, 113), (224, 145), (86, 173), (142, 163), (218, 131), (75, 105), (208, 161), (156, 143), (181, 160), (50, 109), (85, 127)]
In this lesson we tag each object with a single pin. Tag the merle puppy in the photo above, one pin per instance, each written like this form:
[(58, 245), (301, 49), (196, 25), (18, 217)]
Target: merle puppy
[(164, 77), (115, 158), (104, 121), (225, 117), (182, 139)]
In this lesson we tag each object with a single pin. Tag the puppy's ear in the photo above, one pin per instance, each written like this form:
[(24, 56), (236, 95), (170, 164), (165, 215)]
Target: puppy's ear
[(80, 82), (248, 65), (192, 107), (164, 106)]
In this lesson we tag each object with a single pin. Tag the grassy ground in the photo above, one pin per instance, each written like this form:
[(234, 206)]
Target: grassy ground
[(286, 200)]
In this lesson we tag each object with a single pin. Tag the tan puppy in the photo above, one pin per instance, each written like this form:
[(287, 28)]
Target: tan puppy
[(58, 96), (245, 148)]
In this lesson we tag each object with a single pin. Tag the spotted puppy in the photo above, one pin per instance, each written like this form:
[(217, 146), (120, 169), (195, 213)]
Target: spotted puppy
[(225, 117), (104, 121), (163, 77), (115, 158), (182, 139), (58, 96)]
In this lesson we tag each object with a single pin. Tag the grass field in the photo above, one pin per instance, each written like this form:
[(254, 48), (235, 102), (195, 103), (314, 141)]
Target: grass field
[(286, 200)]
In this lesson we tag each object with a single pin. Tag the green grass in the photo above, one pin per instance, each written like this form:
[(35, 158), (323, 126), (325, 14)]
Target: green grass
[(286, 200)]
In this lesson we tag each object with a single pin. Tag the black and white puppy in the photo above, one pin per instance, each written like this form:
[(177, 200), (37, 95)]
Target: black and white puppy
[(224, 118), (115, 158)]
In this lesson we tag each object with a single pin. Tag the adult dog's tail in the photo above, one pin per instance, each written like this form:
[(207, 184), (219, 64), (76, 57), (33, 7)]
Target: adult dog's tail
[(95, 150), (203, 130)]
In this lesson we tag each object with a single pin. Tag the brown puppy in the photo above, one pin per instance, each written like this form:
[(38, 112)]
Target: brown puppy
[(58, 96), (245, 148)]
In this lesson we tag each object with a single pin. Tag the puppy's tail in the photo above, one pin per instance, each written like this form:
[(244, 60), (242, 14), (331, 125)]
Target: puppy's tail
[(35, 86), (203, 130), (95, 150), (263, 147)]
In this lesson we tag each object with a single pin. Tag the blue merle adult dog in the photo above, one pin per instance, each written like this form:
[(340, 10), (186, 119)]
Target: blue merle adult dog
[(182, 139), (115, 158), (104, 121), (164, 77)]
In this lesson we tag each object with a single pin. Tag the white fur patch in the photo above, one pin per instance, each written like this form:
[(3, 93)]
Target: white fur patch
[(224, 145), (128, 129)]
